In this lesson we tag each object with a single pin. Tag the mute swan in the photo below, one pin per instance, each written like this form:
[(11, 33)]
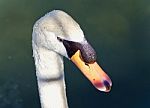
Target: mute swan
[(56, 35)]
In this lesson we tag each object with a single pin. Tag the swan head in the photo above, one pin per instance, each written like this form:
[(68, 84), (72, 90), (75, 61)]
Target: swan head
[(58, 32)]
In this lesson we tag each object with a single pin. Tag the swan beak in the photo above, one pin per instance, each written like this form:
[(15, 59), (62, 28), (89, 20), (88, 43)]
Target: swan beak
[(93, 72)]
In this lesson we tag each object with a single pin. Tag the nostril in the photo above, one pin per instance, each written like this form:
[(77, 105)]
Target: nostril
[(107, 85)]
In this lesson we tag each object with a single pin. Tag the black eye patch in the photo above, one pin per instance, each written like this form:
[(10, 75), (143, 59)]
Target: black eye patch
[(88, 54)]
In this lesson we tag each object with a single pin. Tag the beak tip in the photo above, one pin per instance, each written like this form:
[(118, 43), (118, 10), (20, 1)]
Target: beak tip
[(107, 85), (104, 86)]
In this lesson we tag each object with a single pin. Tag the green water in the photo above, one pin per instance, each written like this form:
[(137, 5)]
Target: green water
[(119, 30)]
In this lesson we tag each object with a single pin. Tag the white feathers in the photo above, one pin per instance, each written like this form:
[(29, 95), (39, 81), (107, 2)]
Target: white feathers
[(47, 51), (61, 24)]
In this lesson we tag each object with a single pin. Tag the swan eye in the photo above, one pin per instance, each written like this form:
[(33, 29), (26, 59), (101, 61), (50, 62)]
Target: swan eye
[(59, 39)]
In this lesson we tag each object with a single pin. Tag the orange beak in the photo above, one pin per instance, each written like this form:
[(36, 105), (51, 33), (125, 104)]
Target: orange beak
[(93, 72)]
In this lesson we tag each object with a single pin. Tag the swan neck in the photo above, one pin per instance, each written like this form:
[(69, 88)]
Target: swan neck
[(50, 77)]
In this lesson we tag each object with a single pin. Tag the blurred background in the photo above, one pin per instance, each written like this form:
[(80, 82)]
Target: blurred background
[(119, 30)]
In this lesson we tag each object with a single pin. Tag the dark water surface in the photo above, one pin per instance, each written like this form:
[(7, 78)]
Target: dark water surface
[(119, 30)]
